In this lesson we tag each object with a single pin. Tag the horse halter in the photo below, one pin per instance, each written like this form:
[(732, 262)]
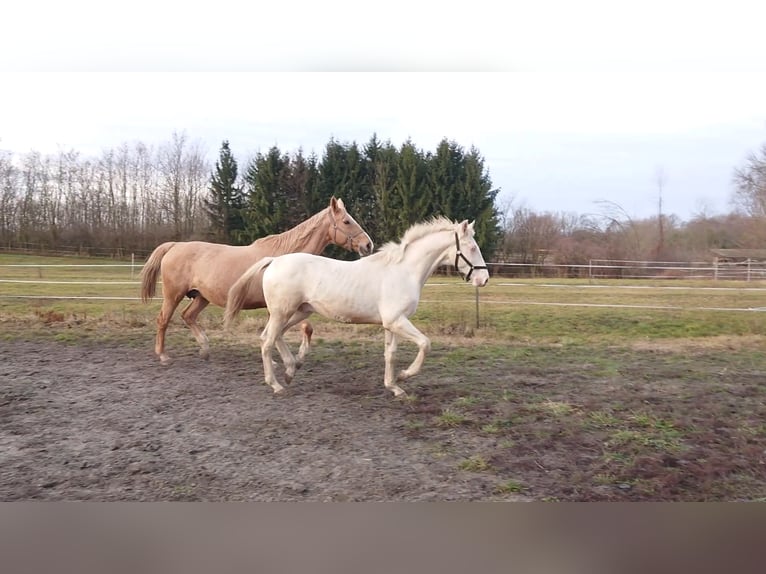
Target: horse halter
[(349, 238), (459, 255)]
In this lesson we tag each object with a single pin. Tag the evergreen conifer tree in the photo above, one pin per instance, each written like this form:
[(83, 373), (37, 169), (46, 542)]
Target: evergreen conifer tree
[(225, 200)]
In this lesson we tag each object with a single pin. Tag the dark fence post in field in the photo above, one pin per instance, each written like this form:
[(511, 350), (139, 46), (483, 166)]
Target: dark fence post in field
[(477, 307)]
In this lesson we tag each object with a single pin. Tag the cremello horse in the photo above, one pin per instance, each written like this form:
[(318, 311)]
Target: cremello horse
[(382, 289), (206, 271)]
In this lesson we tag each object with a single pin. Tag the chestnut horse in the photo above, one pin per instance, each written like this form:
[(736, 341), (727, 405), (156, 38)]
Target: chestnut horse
[(205, 271), (383, 289)]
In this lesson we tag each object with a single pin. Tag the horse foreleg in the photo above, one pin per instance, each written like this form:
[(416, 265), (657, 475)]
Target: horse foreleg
[(189, 315), (402, 327), (163, 319), (390, 356)]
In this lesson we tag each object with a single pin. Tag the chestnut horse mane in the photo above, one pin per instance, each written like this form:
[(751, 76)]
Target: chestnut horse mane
[(298, 235)]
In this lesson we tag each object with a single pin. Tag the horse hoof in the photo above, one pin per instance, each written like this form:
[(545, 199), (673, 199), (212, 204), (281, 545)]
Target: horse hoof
[(165, 360), (204, 355), (399, 393), (279, 390)]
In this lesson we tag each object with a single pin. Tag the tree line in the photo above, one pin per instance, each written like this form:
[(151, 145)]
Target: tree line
[(385, 188), (135, 196)]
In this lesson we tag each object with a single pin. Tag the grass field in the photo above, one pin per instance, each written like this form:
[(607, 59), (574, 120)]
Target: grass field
[(524, 311), (569, 390)]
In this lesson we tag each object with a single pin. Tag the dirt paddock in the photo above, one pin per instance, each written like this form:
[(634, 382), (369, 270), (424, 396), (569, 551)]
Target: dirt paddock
[(107, 422), (90, 420)]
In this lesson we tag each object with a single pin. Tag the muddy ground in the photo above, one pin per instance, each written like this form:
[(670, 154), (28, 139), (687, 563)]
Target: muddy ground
[(105, 421)]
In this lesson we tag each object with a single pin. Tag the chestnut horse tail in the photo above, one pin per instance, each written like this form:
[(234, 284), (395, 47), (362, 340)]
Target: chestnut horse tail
[(151, 270), (238, 293)]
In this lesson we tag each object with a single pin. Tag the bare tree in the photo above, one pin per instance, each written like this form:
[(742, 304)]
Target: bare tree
[(183, 176), (9, 185), (750, 185), (530, 236), (621, 231)]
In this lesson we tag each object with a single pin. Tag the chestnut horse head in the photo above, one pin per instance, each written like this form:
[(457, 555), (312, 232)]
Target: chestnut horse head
[(345, 232)]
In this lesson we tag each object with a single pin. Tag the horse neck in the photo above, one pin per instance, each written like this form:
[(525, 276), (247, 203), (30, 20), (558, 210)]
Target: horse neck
[(310, 236), (426, 253)]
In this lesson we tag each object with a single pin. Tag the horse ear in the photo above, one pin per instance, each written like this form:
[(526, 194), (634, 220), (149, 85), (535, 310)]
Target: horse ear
[(333, 204), (463, 226)]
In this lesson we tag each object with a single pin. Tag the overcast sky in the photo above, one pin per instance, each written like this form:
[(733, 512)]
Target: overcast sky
[(570, 103)]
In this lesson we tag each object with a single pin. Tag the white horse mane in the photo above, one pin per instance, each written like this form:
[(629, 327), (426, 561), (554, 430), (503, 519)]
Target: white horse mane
[(393, 251)]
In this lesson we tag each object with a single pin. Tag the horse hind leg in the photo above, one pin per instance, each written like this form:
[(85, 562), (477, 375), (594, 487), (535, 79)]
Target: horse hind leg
[(306, 331), (189, 315), (289, 361), (167, 309), (271, 333)]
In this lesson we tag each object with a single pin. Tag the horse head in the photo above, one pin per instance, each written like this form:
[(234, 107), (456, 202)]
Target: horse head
[(345, 231), (469, 261)]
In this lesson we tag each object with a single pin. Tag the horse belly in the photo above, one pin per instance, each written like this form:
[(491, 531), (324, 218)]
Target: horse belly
[(346, 314)]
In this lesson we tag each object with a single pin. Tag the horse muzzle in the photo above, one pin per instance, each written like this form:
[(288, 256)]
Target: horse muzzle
[(365, 247), (480, 278)]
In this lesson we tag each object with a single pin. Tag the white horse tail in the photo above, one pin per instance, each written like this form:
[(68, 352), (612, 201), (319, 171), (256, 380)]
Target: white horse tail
[(151, 270), (239, 291)]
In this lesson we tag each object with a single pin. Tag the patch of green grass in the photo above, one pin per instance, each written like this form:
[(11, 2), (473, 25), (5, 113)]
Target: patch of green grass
[(508, 396), (466, 401), (604, 478), (475, 463), (555, 408), (415, 425), (615, 457), (638, 440), (67, 337), (451, 418), (510, 486), (491, 428), (606, 367), (601, 420)]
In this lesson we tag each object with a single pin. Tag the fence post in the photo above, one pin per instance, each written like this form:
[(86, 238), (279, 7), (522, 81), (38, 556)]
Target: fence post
[(132, 263), (477, 307)]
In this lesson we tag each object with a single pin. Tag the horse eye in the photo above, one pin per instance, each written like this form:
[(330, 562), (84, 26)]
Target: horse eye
[(346, 222)]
